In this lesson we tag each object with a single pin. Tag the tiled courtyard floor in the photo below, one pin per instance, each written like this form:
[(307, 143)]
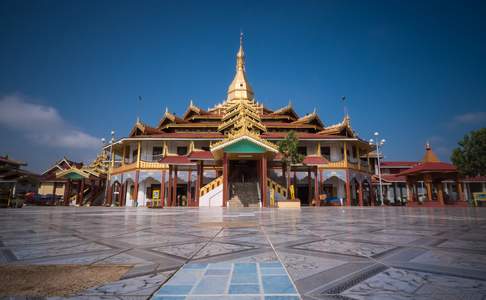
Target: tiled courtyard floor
[(323, 253)]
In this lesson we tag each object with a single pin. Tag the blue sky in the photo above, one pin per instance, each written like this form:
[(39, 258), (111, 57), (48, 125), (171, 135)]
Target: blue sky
[(72, 71)]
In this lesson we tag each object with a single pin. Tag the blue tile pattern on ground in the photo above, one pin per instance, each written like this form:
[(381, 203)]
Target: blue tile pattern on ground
[(266, 280), (244, 289), (174, 290), (277, 284)]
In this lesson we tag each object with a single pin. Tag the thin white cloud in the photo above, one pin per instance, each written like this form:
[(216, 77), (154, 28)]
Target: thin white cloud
[(471, 118), (42, 124)]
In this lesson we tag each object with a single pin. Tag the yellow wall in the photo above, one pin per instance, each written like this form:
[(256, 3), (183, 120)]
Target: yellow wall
[(45, 188)]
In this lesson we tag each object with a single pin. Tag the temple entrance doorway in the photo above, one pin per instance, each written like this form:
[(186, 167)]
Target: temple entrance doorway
[(243, 183), (243, 171)]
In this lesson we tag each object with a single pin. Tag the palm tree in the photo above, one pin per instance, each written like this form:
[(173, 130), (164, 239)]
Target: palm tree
[(290, 155)]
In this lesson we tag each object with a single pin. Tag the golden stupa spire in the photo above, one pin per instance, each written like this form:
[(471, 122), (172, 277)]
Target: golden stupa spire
[(240, 88), (240, 56), (429, 154)]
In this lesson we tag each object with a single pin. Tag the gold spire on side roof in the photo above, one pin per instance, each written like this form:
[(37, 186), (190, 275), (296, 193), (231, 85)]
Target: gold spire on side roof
[(429, 154)]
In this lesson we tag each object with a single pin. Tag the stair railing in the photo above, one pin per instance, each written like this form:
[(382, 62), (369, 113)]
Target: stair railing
[(211, 186), (271, 184)]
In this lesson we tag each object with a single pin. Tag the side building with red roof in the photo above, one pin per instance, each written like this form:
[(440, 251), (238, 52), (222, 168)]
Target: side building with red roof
[(428, 182)]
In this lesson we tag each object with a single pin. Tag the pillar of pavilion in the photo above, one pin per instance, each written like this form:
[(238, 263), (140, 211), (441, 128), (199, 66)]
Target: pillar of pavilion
[(428, 176)]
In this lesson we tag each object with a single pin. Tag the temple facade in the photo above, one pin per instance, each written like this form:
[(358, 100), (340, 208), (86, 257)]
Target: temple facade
[(228, 155)]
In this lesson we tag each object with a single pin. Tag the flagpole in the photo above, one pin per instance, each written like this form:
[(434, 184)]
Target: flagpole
[(343, 98)]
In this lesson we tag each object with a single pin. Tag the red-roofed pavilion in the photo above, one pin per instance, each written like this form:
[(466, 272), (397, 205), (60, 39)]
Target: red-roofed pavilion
[(428, 177)]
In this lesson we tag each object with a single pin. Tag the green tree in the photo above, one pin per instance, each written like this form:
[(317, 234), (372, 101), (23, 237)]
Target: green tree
[(290, 155), (470, 156)]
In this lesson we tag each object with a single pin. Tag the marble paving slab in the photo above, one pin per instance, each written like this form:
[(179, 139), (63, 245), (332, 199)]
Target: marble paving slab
[(345, 247), (403, 284), (330, 253)]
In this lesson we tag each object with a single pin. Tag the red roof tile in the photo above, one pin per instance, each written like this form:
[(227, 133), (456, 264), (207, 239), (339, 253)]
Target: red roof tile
[(315, 160), (308, 160), (187, 135), (201, 155), (176, 160), (391, 178), (300, 135), (398, 163), (430, 167)]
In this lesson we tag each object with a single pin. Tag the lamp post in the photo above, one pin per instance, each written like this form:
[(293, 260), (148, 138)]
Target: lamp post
[(103, 140), (378, 144)]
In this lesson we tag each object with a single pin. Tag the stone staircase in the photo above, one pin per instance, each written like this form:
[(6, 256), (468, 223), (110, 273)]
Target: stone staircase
[(244, 194)]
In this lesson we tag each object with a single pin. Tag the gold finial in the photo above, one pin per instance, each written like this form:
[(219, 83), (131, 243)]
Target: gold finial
[(429, 154), (190, 104), (166, 110), (240, 56)]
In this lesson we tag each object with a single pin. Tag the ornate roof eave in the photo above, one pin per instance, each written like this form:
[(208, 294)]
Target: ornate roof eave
[(338, 128), (309, 118), (171, 118), (287, 110), (80, 172), (192, 109), (191, 125), (291, 126), (208, 116), (244, 134), (144, 129), (242, 123), (235, 109), (56, 165), (139, 126), (59, 162)]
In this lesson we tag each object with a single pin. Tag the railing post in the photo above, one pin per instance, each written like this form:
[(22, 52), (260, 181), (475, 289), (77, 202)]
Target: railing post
[(189, 194), (225, 180), (316, 189), (264, 179), (123, 155), (169, 188), (135, 189), (162, 188), (348, 189), (138, 154)]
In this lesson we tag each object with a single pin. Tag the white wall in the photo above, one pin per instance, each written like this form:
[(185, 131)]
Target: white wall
[(212, 199), (336, 152)]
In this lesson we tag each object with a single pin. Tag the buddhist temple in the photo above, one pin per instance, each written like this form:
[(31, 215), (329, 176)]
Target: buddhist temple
[(15, 182), (228, 156), (67, 182)]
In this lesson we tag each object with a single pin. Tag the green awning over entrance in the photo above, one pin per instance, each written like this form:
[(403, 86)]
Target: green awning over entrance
[(244, 146), (73, 176)]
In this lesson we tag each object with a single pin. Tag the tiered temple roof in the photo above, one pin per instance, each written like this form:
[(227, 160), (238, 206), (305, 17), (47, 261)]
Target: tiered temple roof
[(241, 112)]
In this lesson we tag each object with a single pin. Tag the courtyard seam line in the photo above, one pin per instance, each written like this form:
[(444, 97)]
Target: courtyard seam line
[(279, 259)]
